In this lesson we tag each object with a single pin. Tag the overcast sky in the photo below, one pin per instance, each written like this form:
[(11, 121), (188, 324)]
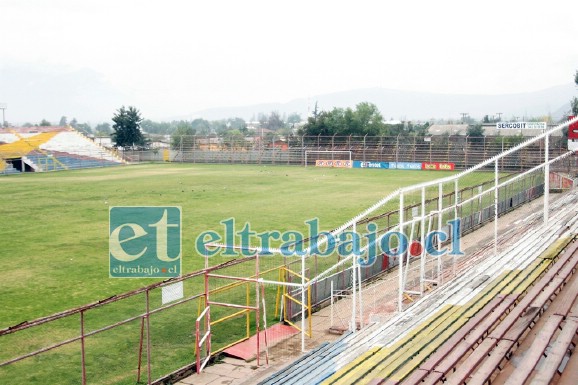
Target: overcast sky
[(175, 57)]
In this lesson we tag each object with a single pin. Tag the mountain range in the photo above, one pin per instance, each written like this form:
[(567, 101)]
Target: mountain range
[(409, 105), (32, 93)]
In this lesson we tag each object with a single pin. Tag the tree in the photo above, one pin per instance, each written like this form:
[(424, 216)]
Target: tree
[(102, 129), (63, 122), (161, 128), (234, 139), (74, 123), (237, 124), (364, 120), (44, 123), (475, 130), (274, 122), (127, 132), (183, 137), (262, 118), (201, 126), (368, 119), (475, 134), (293, 119), (84, 128)]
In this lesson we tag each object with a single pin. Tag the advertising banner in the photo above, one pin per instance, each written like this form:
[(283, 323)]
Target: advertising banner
[(333, 163), (521, 126), (438, 166), (405, 165), (360, 164)]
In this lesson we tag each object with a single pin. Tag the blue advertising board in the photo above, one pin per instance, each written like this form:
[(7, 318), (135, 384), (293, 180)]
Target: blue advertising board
[(405, 165), (361, 164)]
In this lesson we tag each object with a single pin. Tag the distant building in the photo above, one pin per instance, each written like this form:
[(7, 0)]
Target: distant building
[(448, 129), (279, 144)]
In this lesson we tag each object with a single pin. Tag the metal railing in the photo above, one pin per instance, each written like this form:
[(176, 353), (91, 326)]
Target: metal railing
[(433, 217)]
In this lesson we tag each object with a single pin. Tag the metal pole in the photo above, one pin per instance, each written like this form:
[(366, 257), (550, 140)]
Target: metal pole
[(352, 326), (257, 305), (331, 302), (364, 147), (397, 148), (456, 202), (197, 346), (466, 154), (303, 303), (208, 318), (440, 220), (142, 321), (149, 374), (400, 257), (265, 324), (360, 297), (546, 178), (422, 241), (83, 357), (496, 181)]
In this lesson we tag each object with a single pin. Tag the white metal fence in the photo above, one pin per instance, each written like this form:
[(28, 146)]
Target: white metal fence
[(436, 228)]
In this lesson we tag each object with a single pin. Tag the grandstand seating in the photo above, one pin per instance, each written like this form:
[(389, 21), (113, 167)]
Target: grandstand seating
[(466, 331), (74, 143), (312, 367), (53, 150), (8, 168), (24, 145)]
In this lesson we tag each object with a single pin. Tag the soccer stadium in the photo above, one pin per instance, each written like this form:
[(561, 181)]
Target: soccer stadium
[(332, 260)]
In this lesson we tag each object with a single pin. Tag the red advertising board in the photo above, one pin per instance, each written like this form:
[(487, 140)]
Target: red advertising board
[(438, 166), (572, 129)]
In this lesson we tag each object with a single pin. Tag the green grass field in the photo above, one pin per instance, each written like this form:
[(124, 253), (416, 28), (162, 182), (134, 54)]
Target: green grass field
[(54, 227)]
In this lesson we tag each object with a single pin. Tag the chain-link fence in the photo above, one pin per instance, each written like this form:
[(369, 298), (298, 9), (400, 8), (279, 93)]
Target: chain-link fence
[(463, 151)]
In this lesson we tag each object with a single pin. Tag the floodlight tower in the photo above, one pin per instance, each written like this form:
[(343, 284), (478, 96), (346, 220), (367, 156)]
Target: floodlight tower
[(3, 107)]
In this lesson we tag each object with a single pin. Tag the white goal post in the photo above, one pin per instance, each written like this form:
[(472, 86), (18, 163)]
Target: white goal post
[(328, 155)]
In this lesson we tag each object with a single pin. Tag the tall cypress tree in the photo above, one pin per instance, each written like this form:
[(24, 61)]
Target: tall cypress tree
[(126, 127)]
